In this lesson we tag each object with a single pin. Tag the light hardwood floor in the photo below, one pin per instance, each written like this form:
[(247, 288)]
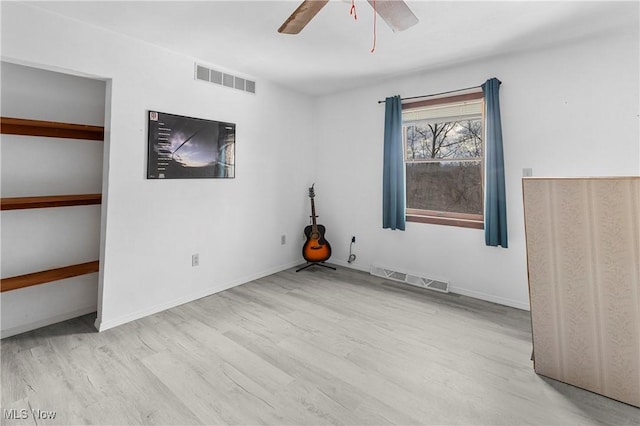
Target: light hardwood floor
[(309, 348)]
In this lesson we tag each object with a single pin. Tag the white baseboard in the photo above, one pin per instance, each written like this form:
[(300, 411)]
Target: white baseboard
[(350, 265), (489, 298), (114, 322), (23, 328), (452, 289)]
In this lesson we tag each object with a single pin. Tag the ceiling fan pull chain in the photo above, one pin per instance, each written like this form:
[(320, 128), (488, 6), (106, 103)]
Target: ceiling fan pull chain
[(373, 49), (352, 12)]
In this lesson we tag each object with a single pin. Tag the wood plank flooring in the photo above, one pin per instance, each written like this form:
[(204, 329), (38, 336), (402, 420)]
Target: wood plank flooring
[(311, 348)]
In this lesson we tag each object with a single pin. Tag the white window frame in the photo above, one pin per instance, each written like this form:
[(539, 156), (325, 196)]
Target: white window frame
[(444, 109)]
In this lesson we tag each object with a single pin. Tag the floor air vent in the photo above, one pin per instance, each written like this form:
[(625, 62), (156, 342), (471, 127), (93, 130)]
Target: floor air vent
[(414, 280)]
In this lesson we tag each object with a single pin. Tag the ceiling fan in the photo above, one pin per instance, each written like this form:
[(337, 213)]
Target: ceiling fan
[(395, 13)]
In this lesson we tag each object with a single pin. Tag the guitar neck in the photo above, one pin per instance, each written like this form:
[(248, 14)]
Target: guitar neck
[(313, 215)]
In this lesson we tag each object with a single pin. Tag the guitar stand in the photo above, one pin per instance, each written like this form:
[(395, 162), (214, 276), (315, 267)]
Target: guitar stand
[(310, 264)]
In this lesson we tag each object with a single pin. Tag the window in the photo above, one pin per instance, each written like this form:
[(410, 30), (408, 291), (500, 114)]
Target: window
[(444, 160)]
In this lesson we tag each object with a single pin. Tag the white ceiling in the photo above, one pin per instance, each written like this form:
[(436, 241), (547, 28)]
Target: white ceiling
[(333, 52)]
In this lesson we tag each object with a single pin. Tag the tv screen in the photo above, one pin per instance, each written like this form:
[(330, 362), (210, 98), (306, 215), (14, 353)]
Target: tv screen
[(184, 147)]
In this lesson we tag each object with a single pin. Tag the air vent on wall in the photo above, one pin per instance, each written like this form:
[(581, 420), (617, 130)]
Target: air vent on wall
[(414, 280), (203, 73)]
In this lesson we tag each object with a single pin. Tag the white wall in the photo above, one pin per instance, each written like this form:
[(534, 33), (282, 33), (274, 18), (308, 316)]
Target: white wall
[(41, 239), (566, 111), (570, 110), (152, 227)]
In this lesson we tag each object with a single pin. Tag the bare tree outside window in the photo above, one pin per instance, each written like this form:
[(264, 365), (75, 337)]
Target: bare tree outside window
[(444, 166)]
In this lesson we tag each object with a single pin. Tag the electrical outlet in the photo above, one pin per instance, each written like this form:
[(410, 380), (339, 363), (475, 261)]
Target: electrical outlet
[(195, 259), (527, 172), (353, 239), (283, 239)]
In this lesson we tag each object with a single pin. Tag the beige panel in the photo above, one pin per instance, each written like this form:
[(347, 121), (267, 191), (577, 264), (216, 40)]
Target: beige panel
[(540, 230), (583, 249)]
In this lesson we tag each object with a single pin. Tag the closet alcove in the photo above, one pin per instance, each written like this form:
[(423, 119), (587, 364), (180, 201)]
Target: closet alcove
[(52, 133)]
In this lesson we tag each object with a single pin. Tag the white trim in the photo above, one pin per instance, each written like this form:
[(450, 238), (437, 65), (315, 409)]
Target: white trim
[(23, 328), (455, 289), (349, 265), (105, 325), (489, 298)]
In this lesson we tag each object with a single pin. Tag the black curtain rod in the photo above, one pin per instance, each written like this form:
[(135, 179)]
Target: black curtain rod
[(434, 94)]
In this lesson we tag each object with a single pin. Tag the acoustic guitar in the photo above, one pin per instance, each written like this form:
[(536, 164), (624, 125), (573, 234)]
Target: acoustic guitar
[(316, 248)]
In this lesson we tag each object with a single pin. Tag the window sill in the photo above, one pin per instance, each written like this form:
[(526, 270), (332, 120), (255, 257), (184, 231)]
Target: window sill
[(448, 221)]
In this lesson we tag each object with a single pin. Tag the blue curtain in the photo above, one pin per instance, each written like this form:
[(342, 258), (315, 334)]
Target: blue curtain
[(495, 209), (393, 196)]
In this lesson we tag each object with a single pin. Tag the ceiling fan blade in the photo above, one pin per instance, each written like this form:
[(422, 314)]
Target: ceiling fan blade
[(395, 13), (301, 16)]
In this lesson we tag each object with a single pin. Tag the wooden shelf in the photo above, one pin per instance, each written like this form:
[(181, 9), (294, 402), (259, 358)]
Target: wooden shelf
[(52, 129), (18, 203), (21, 281), (26, 127)]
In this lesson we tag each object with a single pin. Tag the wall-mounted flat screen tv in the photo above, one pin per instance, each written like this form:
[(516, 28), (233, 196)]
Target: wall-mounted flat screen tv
[(182, 147)]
